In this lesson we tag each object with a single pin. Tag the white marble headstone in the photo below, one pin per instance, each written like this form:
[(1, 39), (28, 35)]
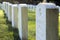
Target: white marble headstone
[(3, 6), (59, 9), (7, 4), (9, 11), (4, 3), (41, 25), (15, 15), (6, 8), (23, 21)]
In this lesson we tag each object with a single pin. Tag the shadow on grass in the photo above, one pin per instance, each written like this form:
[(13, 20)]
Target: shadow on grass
[(11, 29), (15, 31)]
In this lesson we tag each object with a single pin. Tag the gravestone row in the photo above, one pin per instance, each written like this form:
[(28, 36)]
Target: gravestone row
[(12, 11), (46, 20)]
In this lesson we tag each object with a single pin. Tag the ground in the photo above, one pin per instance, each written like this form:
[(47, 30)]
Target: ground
[(9, 33), (6, 30)]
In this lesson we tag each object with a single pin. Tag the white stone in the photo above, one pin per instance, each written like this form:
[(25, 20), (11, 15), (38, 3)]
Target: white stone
[(59, 9), (4, 6), (7, 13), (41, 21), (15, 15), (1, 5), (23, 21), (10, 12)]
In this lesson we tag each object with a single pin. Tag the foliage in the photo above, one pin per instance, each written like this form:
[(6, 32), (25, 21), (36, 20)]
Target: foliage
[(6, 30), (31, 25)]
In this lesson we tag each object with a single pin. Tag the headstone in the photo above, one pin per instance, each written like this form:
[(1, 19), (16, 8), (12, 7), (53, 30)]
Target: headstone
[(7, 9), (7, 4), (15, 15), (10, 12), (46, 21), (23, 21), (4, 6), (59, 9), (1, 5)]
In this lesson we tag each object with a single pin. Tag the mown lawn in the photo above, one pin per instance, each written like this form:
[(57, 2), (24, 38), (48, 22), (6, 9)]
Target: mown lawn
[(59, 24), (5, 34), (6, 30), (31, 25)]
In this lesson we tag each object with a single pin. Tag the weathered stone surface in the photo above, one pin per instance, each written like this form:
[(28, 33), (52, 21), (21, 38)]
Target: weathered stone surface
[(10, 12), (46, 22), (15, 15), (23, 21), (4, 6)]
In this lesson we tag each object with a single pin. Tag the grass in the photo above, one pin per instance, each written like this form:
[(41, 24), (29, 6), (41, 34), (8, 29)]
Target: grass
[(31, 30), (6, 30), (59, 24), (31, 25), (4, 33)]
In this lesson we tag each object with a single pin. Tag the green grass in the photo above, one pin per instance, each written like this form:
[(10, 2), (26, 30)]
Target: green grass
[(31, 30), (6, 30), (1, 14), (4, 33), (31, 25), (59, 24), (31, 16)]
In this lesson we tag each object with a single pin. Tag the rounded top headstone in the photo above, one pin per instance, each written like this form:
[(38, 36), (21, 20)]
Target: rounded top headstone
[(47, 5), (14, 5), (22, 5), (4, 2), (58, 8), (10, 4)]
